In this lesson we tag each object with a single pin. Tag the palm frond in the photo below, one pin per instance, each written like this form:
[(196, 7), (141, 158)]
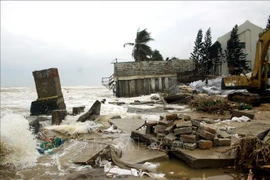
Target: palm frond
[(130, 44)]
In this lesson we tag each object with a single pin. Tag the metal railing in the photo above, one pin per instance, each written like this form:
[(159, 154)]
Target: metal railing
[(108, 82)]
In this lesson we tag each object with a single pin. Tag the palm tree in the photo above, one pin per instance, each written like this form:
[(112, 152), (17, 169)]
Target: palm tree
[(141, 51)]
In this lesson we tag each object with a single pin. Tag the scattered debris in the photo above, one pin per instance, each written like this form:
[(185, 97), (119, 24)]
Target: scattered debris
[(78, 110), (210, 104)]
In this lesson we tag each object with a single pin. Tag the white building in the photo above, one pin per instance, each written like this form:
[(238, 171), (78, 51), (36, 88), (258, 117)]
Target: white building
[(248, 34)]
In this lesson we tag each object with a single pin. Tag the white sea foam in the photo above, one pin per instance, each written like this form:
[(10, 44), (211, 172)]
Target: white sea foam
[(15, 134)]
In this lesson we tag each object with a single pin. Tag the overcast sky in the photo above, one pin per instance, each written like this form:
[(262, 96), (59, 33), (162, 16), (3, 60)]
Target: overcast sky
[(82, 38)]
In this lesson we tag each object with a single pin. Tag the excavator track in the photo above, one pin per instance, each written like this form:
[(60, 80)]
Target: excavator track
[(245, 97)]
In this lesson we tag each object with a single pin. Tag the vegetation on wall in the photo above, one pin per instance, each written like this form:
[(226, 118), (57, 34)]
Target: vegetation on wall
[(156, 56)]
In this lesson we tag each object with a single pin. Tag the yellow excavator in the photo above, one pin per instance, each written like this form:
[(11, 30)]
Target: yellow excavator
[(257, 84)]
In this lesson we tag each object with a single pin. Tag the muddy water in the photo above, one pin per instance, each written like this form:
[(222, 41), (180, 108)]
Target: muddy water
[(58, 165), (176, 169)]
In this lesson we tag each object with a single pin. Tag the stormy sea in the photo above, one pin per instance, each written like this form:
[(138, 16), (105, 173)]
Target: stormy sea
[(20, 158)]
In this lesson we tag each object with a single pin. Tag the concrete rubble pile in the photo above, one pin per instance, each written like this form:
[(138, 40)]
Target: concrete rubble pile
[(180, 131)]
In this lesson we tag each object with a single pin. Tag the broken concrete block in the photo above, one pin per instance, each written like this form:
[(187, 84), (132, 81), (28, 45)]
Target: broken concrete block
[(49, 92), (222, 134), (150, 127), (146, 138), (171, 117), (169, 129), (205, 144), (190, 146), (177, 144), (160, 136), (78, 110), (240, 114), (160, 128), (58, 116), (194, 128), (184, 124), (170, 137), (184, 117), (182, 130), (224, 142), (195, 122), (211, 130), (165, 123), (205, 134), (92, 114), (188, 138)]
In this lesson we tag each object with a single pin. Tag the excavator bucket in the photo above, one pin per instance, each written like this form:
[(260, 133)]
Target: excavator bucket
[(235, 82)]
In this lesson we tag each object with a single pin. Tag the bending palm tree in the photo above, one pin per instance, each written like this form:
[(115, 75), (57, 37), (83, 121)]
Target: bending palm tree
[(141, 51)]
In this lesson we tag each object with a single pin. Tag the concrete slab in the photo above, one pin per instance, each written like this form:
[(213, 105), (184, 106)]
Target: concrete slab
[(134, 152), (128, 124), (89, 152), (211, 158), (253, 127)]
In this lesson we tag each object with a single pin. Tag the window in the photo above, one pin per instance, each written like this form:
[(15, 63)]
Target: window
[(242, 45)]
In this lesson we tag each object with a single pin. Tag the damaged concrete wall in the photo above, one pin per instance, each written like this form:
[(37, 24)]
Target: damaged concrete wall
[(146, 77), (49, 92)]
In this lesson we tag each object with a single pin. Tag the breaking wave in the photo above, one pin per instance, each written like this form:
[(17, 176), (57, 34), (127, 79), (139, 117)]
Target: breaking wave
[(17, 142)]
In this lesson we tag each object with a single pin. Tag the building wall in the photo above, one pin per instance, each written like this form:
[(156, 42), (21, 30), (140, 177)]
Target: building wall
[(248, 33), (146, 77)]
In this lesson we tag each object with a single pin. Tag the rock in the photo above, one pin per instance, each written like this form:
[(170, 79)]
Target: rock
[(183, 124), (205, 144), (171, 117), (190, 146), (92, 114), (78, 110), (188, 138), (182, 130), (58, 116), (205, 134), (160, 128)]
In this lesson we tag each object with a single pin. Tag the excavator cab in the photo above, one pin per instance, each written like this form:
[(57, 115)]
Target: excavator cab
[(256, 83)]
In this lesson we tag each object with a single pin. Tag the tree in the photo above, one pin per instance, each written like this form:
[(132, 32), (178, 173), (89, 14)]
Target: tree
[(216, 56), (206, 61), (156, 56), (141, 51), (267, 24), (196, 55), (234, 54)]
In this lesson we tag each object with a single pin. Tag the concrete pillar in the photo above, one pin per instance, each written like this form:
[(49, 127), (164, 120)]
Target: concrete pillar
[(58, 116)]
